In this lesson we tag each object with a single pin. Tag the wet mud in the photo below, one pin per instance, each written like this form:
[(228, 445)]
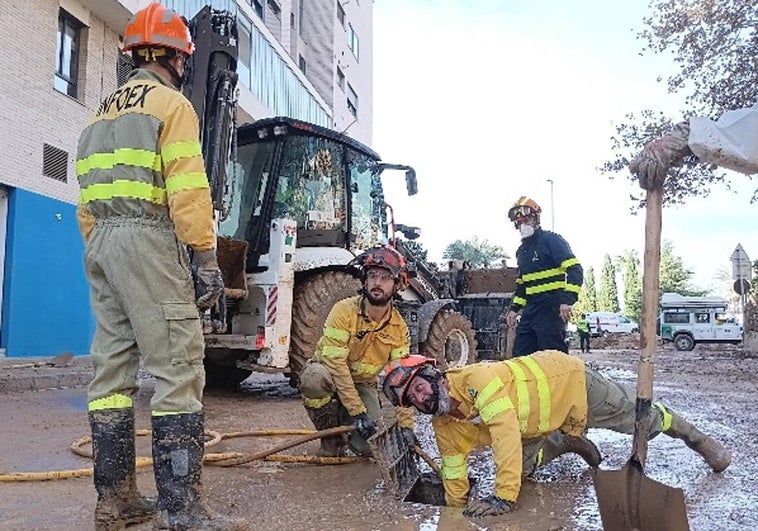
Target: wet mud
[(715, 389)]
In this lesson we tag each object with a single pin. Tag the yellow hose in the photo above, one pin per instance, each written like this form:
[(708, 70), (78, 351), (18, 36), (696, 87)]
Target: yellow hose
[(212, 439)]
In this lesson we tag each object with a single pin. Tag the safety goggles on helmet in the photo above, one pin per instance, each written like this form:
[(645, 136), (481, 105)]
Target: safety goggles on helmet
[(385, 258), (398, 377)]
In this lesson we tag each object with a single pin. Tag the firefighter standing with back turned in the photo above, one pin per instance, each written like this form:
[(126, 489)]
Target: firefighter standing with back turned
[(547, 285), (144, 197), (362, 335)]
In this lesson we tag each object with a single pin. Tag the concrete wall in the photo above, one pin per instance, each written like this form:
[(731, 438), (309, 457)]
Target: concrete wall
[(46, 306)]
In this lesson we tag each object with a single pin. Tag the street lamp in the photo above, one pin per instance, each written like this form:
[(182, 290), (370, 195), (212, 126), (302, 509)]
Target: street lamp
[(552, 206)]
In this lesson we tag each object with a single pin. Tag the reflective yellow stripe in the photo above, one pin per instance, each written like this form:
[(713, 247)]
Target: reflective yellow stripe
[(329, 351), (573, 288), (519, 281), (316, 403), (184, 149), (454, 467), (550, 286), (338, 334), (484, 395), (142, 158), (156, 413), (540, 457), (519, 301), (543, 392), (494, 408), (117, 401), (522, 395), (123, 188), (568, 263), (399, 352), (542, 274), (369, 369), (666, 418), (186, 181)]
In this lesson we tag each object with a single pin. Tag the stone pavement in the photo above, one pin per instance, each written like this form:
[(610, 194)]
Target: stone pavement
[(31, 374)]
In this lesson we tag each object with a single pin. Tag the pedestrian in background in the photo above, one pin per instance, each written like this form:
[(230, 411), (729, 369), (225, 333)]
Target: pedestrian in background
[(583, 327)]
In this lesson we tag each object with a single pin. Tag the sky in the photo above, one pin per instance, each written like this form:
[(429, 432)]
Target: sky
[(490, 99)]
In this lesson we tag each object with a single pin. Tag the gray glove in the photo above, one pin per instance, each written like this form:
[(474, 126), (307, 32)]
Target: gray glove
[(364, 425), (489, 506), (209, 284), (653, 163)]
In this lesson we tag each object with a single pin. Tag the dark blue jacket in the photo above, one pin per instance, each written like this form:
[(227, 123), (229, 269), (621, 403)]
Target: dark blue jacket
[(548, 273)]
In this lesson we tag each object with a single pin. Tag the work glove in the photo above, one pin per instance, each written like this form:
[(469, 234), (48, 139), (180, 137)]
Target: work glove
[(209, 284), (655, 159), (409, 436), (489, 506), (364, 425)]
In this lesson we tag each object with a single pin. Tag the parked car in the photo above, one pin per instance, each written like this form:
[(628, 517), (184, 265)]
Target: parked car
[(689, 320), (603, 323)]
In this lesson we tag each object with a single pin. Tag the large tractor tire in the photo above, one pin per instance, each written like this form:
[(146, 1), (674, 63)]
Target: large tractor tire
[(313, 300), (450, 340)]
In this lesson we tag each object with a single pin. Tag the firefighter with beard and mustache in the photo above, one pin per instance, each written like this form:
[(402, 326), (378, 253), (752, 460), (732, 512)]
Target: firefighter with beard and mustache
[(362, 335), (508, 405)]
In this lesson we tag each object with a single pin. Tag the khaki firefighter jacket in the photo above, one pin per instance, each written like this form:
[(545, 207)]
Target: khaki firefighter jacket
[(140, 157)]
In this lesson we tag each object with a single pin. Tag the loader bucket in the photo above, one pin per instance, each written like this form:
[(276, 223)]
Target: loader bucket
[(629, 500), (398, 463)]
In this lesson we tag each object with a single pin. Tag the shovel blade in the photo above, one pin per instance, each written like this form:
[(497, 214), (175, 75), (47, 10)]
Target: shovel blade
[(629, 500)]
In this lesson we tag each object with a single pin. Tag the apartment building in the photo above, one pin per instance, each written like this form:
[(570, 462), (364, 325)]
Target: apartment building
[(309, 59)]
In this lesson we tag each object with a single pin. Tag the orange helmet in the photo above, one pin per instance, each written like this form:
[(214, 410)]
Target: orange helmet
[(160, 27), (387, 258), (524, 207), (398, 376)]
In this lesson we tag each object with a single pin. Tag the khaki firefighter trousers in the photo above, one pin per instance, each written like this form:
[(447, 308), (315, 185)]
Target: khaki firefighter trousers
[(143, 298)]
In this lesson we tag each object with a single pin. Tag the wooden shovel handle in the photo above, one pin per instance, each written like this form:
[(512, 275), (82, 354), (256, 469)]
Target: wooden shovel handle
[(648, 332)]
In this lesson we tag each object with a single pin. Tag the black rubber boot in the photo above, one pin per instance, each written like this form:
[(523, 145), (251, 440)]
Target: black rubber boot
[(119, 503), (177, 461), (714, 453), (558, 444), (323, 418)]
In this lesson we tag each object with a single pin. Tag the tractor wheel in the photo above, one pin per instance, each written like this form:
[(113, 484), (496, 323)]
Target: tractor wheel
[(684, 342), (313, 300), (450, 340), (223, 377)]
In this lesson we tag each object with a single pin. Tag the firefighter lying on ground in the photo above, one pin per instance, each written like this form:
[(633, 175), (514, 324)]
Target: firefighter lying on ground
[(507, 404), (362, 335)]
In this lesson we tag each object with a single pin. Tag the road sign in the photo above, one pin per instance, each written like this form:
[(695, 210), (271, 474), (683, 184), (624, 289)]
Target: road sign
[(741, 267), (741, 286)]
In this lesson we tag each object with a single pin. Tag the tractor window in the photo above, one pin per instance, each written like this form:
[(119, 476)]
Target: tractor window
[(702, 318), (246, 188), (311, 184), (369, 219)]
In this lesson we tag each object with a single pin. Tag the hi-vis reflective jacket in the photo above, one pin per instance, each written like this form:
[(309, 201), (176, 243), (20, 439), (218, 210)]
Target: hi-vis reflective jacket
[(548, 273), (354, 349), (583, 326), (501, 404), (140, 158)]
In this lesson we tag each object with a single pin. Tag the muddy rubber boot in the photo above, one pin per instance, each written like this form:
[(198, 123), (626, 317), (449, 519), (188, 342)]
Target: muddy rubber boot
[(119, 503), (323, 418), (558, 444), (177, 462), (714, 453)]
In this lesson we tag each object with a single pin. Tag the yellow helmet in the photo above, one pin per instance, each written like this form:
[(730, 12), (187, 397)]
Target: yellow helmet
[(524, 207)]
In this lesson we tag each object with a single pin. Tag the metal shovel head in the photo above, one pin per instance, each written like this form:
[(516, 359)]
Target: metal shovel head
[(396, 459), (629, 500)]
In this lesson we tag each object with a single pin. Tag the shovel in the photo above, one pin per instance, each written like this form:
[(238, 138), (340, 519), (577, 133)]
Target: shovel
[(627, 498), (61, 360)]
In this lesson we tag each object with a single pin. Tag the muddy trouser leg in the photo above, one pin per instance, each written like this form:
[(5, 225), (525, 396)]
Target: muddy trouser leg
[(320, 400), (550, 330), (370, 398), (530, 455), (525, 342)]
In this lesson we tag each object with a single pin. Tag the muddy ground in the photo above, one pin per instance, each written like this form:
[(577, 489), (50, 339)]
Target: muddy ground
[(715, 387)]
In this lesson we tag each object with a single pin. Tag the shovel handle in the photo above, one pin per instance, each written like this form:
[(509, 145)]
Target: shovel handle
[(648, 332)]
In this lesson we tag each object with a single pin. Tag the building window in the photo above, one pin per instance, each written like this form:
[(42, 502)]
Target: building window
[(352, 100), (274, 5), (301, 63), (301, 16), (340, 78), (257, 7), (352, 40), (67, 54), (341, 14)]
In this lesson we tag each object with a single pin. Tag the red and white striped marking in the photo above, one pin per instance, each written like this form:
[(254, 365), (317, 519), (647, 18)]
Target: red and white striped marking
[(273, 297)]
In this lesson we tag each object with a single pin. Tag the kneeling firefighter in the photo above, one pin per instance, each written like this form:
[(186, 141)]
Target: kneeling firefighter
[(362, 335)]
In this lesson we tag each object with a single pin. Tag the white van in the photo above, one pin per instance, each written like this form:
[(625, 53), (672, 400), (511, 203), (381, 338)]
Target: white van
[(604, 323), (690, 320)]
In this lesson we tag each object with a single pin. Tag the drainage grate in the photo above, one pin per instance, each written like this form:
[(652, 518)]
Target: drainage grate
[(54, 163)]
